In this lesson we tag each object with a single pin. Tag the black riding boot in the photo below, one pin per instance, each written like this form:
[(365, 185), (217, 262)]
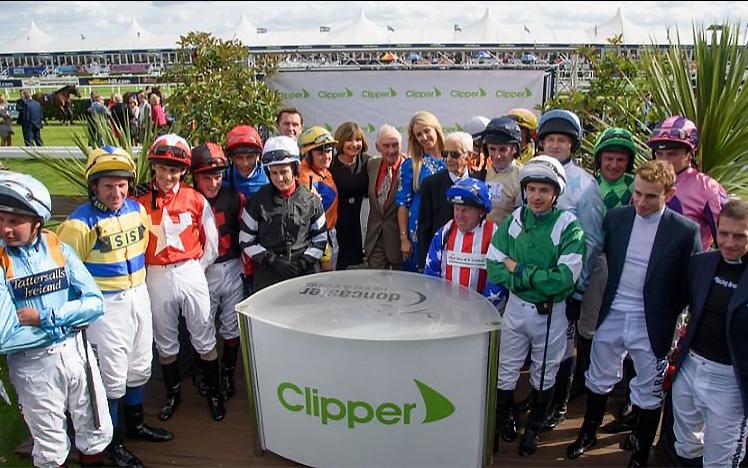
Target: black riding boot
[(118, 453), (530, 438), (138, 429), (557, 412), (228, 367), (507, 416), (210, 373), (593, 416), (644, 436), (172, 381)]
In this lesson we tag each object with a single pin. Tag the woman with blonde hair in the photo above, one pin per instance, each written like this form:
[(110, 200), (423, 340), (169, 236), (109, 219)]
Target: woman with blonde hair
[(352, 179), (425, 146)]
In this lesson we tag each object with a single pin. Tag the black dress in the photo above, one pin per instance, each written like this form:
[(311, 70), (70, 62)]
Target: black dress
[(353, 183)]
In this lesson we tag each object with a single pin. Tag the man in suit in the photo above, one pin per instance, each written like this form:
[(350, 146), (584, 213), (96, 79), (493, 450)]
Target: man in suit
[(710, 391), (382, 242), (30, 118), (647, 247), (436, 210)]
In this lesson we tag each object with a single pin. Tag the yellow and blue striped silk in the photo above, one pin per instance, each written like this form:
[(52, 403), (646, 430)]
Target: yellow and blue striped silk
[(111, 244)]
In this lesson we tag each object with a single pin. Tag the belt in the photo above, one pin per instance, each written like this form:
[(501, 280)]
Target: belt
[(713, 366)]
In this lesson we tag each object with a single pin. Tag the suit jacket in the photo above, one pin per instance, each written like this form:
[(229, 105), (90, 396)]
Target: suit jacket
[(383, 219), (701, 273), (435, 210), (30, 114), (666, 282)]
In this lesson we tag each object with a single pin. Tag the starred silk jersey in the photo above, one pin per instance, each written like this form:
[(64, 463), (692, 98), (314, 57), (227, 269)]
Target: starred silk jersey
[(460, 257), (111, 244), (182, 227)]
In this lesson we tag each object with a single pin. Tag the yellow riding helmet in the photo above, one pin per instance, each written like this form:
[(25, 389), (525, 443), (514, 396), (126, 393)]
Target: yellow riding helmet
[(525, 118), (109, 161), (315, 137)]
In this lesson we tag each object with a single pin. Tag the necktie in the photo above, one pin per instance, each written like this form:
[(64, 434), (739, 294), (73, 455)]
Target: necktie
[(384, 189)]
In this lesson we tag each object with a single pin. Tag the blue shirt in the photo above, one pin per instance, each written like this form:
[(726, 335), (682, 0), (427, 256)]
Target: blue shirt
[(246, 185), (66, 296), (408, 197)]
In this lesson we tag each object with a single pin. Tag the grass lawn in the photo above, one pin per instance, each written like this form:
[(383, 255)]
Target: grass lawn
[(13, 429), (53, 134)]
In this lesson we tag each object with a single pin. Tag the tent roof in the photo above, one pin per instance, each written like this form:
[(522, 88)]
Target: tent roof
[(359, 31), (32, 39)]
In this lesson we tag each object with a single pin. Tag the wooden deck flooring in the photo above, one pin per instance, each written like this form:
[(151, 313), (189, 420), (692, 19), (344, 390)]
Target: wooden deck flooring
[(200, 441)]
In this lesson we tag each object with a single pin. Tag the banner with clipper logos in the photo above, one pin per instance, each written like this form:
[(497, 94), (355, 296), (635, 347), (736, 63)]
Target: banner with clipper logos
[(372, 98)]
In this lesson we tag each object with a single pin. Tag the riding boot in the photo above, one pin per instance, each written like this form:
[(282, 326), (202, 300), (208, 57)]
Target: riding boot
[(118, 453), (228, 367), (90, 461), (626, 420), (531, 437), (210, 372), (138, 429), (173, 383), (524, 405), (644, 436), (557, 412), (593, 416), (507, 416), (198, 375)]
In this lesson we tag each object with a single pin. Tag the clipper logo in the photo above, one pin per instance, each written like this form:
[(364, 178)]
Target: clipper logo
[(423, 94), (378, 94), (303, 94), (506, 94), (468, 94), (328, 409), (344, 94)]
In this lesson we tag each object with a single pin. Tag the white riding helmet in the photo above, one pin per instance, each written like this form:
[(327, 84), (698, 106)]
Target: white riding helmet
[(543, 169), (475, 126), (280, 150), (23, 194)]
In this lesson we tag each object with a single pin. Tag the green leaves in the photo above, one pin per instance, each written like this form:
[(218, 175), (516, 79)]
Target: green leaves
[(707, 89), (220, 88)]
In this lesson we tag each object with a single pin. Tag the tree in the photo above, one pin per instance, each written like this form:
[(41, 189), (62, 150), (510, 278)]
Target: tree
[(708, 89), (614, 96), (220, 86)]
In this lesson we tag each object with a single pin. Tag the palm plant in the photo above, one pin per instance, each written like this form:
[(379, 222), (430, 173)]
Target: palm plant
[(709, 89)]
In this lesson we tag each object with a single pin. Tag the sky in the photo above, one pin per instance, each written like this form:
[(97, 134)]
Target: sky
[(98, 18)]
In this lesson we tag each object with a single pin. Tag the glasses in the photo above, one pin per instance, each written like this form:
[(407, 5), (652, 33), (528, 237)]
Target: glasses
[(174, 151), (452, 154)]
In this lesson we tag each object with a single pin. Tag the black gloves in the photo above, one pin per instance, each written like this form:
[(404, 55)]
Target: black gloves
[(284, 267), (573, 309), (142, 189)]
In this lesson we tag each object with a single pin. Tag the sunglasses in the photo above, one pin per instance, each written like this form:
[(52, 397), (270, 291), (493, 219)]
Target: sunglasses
[(452, 154), (175, 151)]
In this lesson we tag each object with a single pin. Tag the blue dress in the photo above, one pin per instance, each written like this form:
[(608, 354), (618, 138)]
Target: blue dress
[(411, 199)]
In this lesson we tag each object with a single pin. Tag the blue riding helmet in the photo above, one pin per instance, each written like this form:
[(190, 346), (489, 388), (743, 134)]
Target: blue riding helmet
[(471, 192)]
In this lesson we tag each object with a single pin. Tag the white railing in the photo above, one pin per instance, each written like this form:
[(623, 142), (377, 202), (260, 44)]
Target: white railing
[(55, 152)]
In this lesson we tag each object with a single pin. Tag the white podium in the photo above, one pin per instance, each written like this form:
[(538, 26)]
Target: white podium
[(371, 368)]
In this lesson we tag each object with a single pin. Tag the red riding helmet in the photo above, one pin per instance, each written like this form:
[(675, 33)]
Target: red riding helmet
[(170, 149), (243, 139), (208, 157)]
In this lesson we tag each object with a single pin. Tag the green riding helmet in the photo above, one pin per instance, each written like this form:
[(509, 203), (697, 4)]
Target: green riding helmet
[(616, 139)]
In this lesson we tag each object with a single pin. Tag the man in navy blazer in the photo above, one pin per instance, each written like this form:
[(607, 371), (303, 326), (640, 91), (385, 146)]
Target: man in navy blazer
[(648, 247), (30, 118), (710, 391), (436, 210)]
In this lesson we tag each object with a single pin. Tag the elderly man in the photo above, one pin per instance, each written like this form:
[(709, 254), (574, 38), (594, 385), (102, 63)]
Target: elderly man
[(436, 210), (382, 242)]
